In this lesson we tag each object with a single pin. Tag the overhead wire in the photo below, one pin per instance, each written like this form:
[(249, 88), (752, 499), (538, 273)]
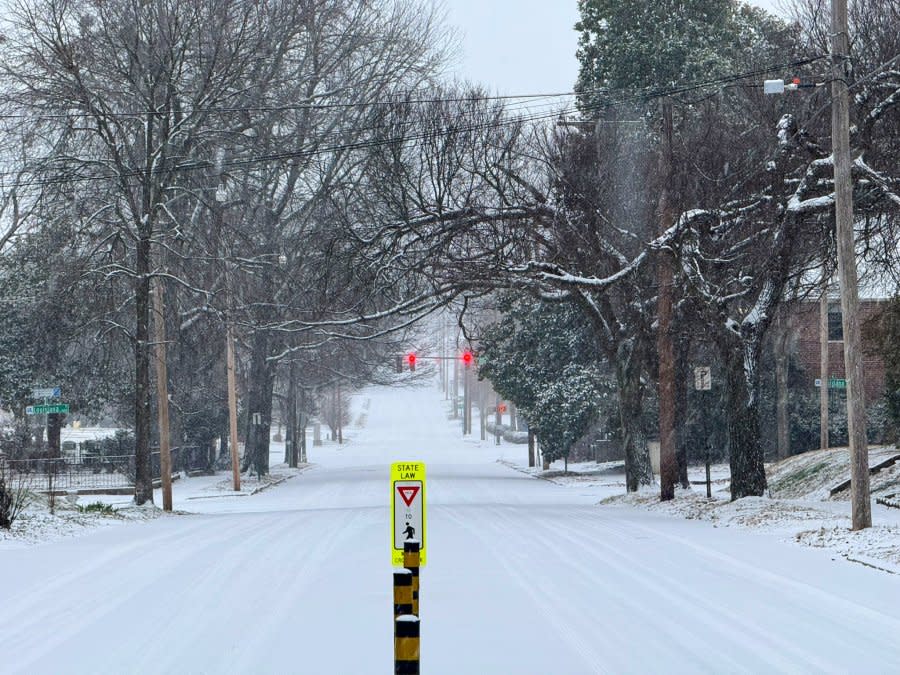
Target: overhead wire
[(523, 102)]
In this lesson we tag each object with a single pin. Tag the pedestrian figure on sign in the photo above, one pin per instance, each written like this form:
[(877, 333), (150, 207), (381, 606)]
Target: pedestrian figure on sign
[(410, 531)]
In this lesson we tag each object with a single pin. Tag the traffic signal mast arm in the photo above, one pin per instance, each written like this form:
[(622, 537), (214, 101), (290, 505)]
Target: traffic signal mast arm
[(462, 357), (467, 357)]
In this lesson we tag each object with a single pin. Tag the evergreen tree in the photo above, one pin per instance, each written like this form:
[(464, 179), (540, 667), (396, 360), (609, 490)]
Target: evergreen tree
[(629, 47), (542, 357)]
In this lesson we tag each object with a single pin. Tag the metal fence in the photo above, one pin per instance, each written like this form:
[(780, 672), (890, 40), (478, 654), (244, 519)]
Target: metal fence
[(95, 472)]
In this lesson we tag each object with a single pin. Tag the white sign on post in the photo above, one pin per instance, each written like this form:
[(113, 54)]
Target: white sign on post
[(702, 378)]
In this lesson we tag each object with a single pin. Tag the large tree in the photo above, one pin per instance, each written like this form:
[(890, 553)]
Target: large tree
[(121, 92)]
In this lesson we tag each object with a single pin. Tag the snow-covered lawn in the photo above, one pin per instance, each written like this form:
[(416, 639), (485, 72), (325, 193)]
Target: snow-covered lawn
[(524, 575), (808, 515)]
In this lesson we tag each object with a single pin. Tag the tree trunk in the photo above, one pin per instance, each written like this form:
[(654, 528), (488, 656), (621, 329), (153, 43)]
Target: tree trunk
[(292, 449), (631, 395), (143, 473), (54, 433), (259, 406), (303, 423), (748, 474), (218, 461), (531, 460)]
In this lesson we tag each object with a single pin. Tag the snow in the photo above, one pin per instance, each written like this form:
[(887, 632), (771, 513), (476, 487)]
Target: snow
[(796, 205), (784, 129), (564, 574)]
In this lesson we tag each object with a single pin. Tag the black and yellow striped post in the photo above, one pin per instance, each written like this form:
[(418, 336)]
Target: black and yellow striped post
[(411, 562), (403, 595), (406, 645)]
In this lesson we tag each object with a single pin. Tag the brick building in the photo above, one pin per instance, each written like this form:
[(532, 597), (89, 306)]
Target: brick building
[(804, 324)]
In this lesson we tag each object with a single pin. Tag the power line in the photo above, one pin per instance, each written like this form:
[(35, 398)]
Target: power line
[(399, 100), (426, 135)]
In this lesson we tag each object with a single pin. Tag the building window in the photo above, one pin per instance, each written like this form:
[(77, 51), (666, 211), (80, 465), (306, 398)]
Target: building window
[(835, 327)]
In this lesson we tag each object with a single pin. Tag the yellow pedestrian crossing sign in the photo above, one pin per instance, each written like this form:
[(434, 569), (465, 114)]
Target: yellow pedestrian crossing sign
[(407, 509)]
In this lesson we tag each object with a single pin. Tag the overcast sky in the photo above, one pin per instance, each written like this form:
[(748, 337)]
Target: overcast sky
[(520, 46)]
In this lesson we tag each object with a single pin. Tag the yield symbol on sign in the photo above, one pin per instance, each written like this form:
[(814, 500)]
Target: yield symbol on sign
[(408, 493)]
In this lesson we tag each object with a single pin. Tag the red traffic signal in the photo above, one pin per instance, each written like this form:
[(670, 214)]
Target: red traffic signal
[(467, 358), (411, 360)]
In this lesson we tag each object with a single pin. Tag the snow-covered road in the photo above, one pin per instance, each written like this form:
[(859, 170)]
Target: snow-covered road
[(524, 576)]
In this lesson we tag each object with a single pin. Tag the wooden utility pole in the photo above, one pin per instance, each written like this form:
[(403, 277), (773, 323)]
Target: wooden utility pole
[(340, 412), (846, 255), (467, 404), (482, 409), (162, 391), (498, 419), (668, 466), (221, 197), (824, 369), (456, 389), (232, 407), (782, 413)]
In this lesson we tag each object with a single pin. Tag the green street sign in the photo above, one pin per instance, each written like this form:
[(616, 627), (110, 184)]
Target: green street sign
[(47, 409), (837, 383)]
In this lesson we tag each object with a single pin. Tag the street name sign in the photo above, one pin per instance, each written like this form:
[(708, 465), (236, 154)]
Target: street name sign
[(833, 382), (52, 408), (46, 392), (407, 509)]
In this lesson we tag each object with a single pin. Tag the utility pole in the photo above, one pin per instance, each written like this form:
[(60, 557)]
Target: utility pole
[(455, 388), (846, 255), (231, 380), (340, 412), (668, 466), (162, 391), (467, 404), (482, 407), (229, 364), (498, 419), (824, 369), (782, 414), (232, 406)]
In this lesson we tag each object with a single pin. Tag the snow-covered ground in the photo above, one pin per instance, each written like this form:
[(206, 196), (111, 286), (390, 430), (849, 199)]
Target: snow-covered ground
[(523, 576)]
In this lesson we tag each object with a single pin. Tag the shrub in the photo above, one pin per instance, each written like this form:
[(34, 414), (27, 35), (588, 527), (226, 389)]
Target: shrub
[(13, 496), (97, 507)]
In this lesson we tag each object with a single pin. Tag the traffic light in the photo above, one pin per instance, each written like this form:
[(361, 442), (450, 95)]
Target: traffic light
[(467, 358), (411, 360)]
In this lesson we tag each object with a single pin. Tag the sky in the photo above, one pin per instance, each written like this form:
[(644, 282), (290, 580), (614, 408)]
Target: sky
[(520, 46)]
